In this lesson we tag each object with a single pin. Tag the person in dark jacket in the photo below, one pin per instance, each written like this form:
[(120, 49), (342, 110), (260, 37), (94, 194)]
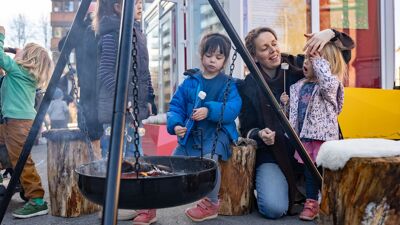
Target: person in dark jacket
[(85, 46), (106, 24), (275, 178)]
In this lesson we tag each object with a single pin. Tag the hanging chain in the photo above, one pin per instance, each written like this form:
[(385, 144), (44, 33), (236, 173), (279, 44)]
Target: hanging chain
[(226, 93), (135, 103), (84, 128)]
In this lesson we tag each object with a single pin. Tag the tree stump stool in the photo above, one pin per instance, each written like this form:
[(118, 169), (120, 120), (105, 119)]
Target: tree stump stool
[(236, 192), (66, 150), (365, 191)]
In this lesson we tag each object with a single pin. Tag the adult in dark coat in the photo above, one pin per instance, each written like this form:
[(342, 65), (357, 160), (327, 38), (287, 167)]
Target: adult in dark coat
[(275, 182), (106, 24), (85, 46)]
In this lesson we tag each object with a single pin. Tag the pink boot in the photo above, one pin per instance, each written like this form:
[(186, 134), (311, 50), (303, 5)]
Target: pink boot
[(310, 211), (145, 217), (204, 210)]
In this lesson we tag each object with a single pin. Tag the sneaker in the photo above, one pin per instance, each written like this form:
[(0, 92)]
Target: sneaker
[(126, 214), (310, 210), (145, 217), (123, 214), (31, 209), (204, 210)]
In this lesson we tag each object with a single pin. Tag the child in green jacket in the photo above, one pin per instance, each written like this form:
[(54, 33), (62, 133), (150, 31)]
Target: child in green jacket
[(30, 69)]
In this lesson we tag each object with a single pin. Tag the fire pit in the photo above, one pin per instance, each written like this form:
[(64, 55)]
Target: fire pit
[(189, 179)]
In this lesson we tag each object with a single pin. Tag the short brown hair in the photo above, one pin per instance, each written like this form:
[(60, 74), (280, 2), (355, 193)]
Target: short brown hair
[(253, 35), (212, 41)]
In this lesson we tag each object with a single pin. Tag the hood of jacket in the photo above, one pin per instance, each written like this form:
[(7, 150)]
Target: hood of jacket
[(109, 24)]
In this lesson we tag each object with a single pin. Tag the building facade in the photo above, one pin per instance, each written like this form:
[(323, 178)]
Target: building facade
[(174, 29)]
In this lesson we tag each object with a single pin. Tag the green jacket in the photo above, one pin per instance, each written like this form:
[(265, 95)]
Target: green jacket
[(17, 90)]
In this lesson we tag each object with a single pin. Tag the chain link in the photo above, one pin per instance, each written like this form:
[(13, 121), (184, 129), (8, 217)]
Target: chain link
[(135, 104), (84, 128), (226, 93)]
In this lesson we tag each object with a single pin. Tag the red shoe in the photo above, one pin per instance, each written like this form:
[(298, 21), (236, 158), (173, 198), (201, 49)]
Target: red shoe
[(145, 217), (310, 211), (204, 210)]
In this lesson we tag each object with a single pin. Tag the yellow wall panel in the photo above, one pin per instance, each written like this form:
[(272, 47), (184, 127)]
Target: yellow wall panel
[(371, 113)]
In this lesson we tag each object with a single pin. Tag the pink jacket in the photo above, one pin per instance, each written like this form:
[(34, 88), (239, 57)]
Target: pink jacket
[(321, 122)]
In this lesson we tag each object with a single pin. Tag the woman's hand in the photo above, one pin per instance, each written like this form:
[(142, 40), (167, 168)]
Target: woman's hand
[(200, 113), (318, 40), (284, 98), (180, 131), (267, 135), (2, 30)]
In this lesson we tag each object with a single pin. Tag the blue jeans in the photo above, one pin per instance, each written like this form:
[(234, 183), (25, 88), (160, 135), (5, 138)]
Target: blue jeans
[(213, 195), (272, 191), (312, 187), (129, 147)]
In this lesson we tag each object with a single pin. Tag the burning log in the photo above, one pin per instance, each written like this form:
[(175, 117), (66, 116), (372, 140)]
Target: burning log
[(146, 170)]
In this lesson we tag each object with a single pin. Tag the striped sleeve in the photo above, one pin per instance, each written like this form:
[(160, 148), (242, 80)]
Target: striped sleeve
[(108, 58)]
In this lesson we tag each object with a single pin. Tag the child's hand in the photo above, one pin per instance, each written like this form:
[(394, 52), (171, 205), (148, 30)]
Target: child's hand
[(2, 30), (200, 113), (267, 135), (180, 131), (284, 98)]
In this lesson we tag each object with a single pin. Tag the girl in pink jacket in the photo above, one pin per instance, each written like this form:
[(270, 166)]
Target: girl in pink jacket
[(315, 103)]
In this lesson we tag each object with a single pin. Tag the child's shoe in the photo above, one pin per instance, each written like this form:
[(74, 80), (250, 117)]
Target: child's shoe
[(204, 210), (145, 217), (31, 209), (310, 211)]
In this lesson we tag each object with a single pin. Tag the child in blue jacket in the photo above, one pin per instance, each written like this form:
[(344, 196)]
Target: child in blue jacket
[(194, 120)]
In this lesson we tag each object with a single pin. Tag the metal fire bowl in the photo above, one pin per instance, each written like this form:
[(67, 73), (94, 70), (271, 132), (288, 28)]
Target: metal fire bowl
[(193, 179)]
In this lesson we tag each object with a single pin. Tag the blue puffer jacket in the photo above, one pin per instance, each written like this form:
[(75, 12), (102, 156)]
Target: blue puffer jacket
[(183, 102)]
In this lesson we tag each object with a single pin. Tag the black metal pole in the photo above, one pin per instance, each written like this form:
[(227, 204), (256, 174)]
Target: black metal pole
[(254, 70), (118, 120), (37, 123)]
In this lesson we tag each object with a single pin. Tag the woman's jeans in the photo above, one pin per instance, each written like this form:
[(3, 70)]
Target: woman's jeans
[(272, 191)]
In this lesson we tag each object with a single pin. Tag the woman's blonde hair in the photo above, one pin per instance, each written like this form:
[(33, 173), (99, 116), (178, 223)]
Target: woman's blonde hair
[(337, 64), (37, 61)]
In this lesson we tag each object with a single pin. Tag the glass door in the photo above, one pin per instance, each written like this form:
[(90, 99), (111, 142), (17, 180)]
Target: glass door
[(202, 20), (160, 24)]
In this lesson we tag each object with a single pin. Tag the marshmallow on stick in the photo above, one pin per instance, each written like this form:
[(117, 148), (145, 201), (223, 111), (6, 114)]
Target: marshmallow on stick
[(284, 66)]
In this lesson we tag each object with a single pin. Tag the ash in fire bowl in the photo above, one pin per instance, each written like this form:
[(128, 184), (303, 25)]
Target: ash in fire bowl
[(152, 166)]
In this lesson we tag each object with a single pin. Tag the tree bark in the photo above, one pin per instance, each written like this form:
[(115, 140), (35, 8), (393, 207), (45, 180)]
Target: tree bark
[(366, 191), (66, 150), (236, 192)]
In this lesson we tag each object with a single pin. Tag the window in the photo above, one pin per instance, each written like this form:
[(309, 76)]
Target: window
[(203, 20), (289, 18), (359, 19), (161, 44)]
